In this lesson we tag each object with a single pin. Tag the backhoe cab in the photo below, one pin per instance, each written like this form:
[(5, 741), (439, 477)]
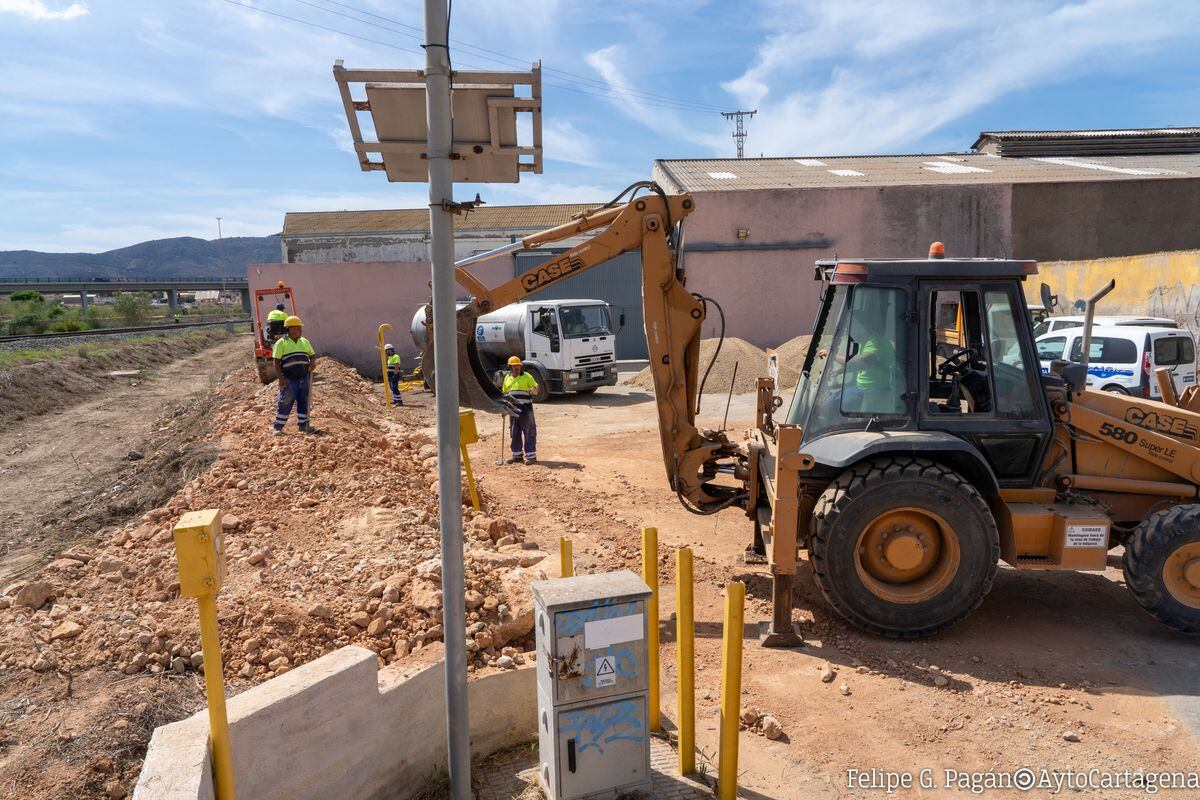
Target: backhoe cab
[(907, 469)]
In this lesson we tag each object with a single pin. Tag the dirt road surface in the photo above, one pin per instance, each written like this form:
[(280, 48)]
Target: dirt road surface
[(1045, 655), (59, 468)]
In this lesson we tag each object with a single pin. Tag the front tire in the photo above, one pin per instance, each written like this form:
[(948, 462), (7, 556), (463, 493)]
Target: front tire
[(542, 394), (1116, 389), (1162, 567), (903, 547)]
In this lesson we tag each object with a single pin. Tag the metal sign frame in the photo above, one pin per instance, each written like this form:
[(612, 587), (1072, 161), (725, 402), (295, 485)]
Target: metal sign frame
[(408, 156)]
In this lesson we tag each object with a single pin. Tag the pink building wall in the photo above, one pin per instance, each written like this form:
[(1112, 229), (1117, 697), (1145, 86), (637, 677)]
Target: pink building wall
[(343, 303)]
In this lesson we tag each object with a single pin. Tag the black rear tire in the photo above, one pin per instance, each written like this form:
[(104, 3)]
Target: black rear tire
[(852, 506), (1147, 553)]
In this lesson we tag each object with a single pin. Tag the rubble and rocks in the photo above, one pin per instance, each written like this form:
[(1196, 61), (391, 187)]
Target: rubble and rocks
[(330, 540)]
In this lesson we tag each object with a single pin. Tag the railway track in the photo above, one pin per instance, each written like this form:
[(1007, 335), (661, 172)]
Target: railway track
[(44, 337)]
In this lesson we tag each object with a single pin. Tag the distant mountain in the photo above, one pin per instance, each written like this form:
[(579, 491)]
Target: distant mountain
[(183, 257)]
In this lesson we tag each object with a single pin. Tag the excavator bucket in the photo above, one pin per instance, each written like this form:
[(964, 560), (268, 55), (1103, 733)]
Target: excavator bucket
[(475, 387)]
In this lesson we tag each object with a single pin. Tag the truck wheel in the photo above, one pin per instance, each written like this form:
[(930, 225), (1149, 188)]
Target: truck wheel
[(903, 547), (1115, 388), (542, 394), (1162, 567)]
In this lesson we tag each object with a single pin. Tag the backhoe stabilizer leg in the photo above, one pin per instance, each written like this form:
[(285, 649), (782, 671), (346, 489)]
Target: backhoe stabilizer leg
[(780, 631)]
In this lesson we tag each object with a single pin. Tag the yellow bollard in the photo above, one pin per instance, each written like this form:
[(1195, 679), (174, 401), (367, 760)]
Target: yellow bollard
[(685, 649), (467, 434), (566, 557), (200, 550), (650, 576), (387, 390), (731, 690)]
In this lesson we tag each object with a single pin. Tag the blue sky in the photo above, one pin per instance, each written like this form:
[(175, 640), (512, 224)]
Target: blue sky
[(126, 120)]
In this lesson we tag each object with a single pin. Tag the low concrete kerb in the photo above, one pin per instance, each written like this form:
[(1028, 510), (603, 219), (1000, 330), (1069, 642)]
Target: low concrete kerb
[(339, 727)]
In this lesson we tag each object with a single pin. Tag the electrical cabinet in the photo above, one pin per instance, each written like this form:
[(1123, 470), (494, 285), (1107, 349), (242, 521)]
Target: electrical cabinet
[(592, 685)]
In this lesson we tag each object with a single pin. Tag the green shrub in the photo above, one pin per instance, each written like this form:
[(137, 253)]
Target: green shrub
[(27, 296), (67, 325), (132, 307), (28, 322)]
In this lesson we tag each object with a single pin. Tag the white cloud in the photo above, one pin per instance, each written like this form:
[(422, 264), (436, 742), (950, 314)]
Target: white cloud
[(38, 11), (858, 77)]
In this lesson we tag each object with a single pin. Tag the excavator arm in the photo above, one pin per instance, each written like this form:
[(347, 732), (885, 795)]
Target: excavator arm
[(692, 457)]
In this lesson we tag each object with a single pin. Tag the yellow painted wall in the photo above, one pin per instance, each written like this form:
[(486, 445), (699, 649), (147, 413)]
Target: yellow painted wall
[(1155, 285)]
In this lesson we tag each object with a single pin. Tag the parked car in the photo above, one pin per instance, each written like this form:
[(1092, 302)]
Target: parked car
[(1123, 358), (1050, 324)]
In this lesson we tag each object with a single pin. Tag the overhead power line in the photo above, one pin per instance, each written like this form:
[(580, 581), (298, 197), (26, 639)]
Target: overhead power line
[(602, 90)]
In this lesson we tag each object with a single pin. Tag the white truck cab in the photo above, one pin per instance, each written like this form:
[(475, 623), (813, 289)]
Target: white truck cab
[(567, 345)]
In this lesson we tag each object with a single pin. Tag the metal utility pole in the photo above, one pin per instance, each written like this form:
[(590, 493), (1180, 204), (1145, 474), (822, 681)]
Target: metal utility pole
[(739, 131), (445, 347), (221, 254)]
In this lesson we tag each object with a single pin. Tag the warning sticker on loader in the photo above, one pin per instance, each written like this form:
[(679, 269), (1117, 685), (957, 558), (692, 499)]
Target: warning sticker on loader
[(606, 671), (1087, 536)]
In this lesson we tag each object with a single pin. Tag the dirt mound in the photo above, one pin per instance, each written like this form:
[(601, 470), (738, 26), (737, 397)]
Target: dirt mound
[(751, 364), (331, 540), (791, 359)]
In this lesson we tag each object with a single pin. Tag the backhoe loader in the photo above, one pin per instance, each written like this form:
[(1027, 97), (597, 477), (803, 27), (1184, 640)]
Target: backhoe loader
[(904, 471)]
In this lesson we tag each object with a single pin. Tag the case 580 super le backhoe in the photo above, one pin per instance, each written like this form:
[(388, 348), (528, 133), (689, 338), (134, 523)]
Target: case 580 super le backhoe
[(906, 474)]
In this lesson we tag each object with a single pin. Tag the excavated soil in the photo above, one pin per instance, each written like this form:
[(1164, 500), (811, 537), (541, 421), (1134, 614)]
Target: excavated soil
[(750, 362), (791, 359), (331, 539)]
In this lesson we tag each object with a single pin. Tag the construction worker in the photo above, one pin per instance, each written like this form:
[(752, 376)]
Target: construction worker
[(519, 387), (294, 361), (393, 373), (275, 326)]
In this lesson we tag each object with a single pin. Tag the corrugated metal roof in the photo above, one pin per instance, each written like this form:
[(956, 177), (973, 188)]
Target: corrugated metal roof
[(416, 220), (714, 175), (1116, 141)]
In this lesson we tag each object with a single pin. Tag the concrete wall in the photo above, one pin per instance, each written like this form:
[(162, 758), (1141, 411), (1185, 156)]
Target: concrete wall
[(1056, 221), (343, 304), (338, 728), (1158, 285), (765, 282), (327, 248)]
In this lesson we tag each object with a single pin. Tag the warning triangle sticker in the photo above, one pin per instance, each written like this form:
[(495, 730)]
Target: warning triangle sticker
[(605, 667)]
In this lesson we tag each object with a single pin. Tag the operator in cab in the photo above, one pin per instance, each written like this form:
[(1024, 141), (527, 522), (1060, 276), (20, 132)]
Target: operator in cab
[(275, 324), (518, 388), (294, 361), (393, 373)]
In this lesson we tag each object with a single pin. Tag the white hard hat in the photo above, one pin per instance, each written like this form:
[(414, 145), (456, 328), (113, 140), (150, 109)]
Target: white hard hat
[(388, 347)]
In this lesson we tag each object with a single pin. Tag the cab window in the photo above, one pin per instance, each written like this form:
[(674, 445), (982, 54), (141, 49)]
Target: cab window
[(1106, 350), (1050, 349)]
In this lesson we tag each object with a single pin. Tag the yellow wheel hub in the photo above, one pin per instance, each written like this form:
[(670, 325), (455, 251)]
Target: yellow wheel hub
[(1181, 574), (907, 555)]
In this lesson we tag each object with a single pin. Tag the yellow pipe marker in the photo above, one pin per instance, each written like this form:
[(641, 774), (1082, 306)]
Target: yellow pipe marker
[(650, 576), (201, 554), (387, 390), (467, 434), (731, 690), (685, 649), (566, 557)]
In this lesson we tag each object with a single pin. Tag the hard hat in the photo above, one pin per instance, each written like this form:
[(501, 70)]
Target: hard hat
[(292, 320), (388, 347), (513, 361), (279, 306)]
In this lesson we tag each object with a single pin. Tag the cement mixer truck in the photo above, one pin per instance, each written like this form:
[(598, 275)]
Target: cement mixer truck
[(567, 345)]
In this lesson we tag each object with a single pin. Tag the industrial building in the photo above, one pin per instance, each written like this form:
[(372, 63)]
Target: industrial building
[(762, 222)]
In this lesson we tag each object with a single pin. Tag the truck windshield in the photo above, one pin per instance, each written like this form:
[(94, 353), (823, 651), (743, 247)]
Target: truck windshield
[(821, 340), (585, 321)]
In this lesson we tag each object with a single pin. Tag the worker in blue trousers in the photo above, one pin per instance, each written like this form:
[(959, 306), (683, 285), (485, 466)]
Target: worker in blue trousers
[(518, 388), (294, 361), (393, 373)]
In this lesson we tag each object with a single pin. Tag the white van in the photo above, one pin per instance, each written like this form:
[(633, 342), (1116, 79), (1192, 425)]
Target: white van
[(1123, 358), (1051, 324)]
